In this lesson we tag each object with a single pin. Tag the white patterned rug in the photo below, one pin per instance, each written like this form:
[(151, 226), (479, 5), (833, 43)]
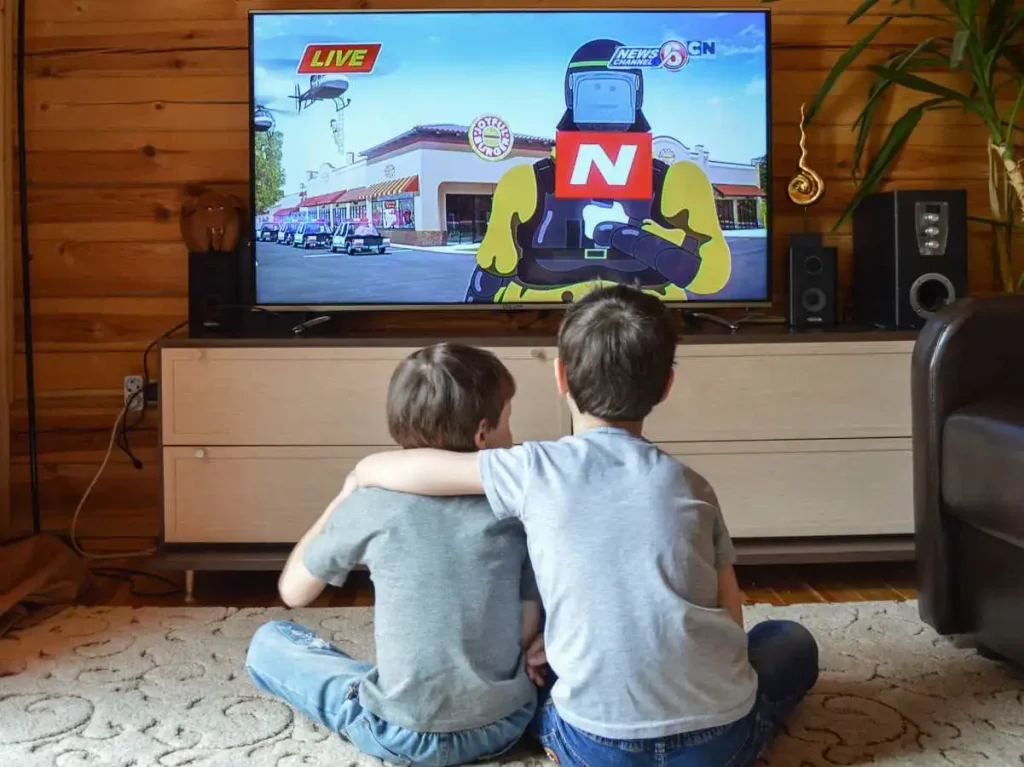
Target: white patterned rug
[(121, 687)]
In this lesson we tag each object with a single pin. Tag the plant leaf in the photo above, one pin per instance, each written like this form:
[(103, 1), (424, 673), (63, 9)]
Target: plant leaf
[(996, 19), (1016, 57), (841, 66), (893, 143), (922, 85), (1003, 47), (865, 120), (861, 9), (903, 60), (956, 56), (995, 222)]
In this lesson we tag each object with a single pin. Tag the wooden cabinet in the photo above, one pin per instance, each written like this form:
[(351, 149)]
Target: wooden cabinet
[(802, 439), (319, 395), (250, 494), (258, 439), (786, 391), (798, 488)]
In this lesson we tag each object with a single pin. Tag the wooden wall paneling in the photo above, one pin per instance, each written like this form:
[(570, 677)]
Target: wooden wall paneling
[(129, 103)]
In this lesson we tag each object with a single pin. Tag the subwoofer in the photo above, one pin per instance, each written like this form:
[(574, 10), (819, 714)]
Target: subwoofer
[(909, 256), (813, 282)]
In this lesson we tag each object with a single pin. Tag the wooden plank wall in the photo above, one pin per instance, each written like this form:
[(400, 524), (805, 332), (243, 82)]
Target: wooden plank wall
[(130, 102)]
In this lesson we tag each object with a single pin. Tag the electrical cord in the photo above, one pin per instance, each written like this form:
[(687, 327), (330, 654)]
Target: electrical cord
[(125, 427), (125, 575), (26, 271), (119, 437), (85, 496)]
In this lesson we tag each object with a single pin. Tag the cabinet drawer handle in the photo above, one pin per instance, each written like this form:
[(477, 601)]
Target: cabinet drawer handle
[(200, 453), (538, 354)]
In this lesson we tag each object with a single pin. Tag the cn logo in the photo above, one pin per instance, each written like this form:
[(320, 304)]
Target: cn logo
[(614, 166)]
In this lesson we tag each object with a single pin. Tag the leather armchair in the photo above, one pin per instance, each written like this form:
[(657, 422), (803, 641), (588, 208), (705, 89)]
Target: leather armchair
[(967, 394)]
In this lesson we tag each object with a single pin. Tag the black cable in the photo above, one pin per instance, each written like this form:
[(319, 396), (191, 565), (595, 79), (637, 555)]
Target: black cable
[(125, 575), (122, 437), (152, 345), (122, 433), (26, 278)]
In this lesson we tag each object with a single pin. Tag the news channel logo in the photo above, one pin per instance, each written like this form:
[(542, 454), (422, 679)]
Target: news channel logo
[(671, 55)]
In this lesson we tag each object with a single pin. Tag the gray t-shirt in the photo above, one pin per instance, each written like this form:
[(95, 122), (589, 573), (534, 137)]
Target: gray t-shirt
[(448, 579), (626, 542)]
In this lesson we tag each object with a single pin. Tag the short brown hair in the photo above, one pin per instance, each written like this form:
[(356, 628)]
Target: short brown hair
[(438, 396), (618, 347)]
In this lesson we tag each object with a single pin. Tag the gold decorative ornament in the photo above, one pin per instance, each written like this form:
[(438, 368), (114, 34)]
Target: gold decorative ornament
[(806, 187)]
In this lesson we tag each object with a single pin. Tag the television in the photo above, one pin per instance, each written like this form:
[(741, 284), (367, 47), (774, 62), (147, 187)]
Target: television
[(509, 159)]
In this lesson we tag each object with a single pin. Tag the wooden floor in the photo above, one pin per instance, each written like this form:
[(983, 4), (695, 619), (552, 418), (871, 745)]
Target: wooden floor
[(777, 585)]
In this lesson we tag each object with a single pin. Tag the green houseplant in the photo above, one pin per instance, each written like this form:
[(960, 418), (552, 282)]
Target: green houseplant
[(984, 47)]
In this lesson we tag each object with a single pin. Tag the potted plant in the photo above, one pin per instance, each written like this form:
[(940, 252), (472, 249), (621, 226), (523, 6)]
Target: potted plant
[(985, 44)]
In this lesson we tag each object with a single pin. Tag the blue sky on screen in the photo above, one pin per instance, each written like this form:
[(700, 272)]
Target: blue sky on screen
[(453, 67)]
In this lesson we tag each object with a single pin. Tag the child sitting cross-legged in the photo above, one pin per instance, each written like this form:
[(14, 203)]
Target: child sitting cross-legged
[(450, 685)]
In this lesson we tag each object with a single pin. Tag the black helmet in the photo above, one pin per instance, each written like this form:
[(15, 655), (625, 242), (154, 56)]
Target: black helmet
[(593, 56)]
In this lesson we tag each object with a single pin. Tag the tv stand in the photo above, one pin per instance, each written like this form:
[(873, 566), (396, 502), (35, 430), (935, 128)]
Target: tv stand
[(805, 437)]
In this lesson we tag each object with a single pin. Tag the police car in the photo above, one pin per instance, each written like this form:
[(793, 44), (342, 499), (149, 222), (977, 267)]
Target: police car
[(359, 237), (312, 234)]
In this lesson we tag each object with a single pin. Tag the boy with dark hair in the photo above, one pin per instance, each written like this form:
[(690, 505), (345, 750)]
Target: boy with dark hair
[(450, 685), (644, 632)]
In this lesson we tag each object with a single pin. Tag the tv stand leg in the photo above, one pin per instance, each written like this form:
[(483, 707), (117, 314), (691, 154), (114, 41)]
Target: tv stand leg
[(190, 584)]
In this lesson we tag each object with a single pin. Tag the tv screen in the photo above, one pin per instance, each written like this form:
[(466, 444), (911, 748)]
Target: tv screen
[(509, 159)]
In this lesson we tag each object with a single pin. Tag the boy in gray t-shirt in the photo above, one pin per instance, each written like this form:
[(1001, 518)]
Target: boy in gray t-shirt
[(450, 685), (644, 632)]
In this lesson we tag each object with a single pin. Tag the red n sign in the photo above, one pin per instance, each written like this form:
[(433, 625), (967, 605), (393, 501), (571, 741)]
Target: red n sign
[(615, 166)]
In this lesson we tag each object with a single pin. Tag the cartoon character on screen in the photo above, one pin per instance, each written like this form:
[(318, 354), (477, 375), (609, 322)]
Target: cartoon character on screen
[(540, 248)]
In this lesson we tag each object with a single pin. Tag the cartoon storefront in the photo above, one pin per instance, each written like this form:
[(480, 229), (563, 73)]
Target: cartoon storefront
[(428, 186)]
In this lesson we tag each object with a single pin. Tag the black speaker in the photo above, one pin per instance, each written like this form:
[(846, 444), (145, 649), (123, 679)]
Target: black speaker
[(909, 256), (215, 284), (813, 282)]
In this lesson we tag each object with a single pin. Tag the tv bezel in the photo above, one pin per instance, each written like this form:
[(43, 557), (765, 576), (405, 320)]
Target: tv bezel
[(695, 304)]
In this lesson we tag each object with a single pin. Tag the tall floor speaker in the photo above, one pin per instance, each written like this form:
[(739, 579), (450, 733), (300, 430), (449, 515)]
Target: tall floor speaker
[(909, 256), (813, 282)]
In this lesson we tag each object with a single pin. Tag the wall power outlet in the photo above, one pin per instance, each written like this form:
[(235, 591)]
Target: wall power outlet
[(133, 395)]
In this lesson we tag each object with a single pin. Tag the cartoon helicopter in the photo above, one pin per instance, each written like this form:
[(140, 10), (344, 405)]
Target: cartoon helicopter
[(323, 88), (327, 88), (264, 109), (262, 119)]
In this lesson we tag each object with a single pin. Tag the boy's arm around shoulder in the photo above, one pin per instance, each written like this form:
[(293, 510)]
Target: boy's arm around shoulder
[(501, 474), (424, 471)]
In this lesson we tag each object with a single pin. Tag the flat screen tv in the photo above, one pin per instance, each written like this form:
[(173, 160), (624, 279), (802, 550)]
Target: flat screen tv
[(504, 159)]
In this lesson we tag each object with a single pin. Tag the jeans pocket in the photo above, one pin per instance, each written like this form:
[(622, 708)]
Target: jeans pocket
[(559, 751), (362, 736)]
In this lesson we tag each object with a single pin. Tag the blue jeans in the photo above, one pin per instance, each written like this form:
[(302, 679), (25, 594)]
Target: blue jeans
[(785, 657), (294, 664)]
